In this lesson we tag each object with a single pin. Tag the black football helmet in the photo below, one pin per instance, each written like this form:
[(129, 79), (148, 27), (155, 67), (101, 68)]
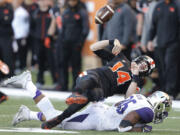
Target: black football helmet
[(147, 63)]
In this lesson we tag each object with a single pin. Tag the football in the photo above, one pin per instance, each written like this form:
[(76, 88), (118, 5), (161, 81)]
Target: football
[(104, 14)]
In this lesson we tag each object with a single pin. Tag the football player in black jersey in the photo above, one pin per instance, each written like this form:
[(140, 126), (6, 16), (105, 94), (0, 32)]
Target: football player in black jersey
[(97, 84)]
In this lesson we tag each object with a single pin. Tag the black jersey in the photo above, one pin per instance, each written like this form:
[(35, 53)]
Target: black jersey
[(115, 77)]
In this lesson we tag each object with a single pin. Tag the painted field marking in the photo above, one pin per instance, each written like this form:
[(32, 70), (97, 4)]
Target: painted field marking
[(36, 130), (171, 130), (5, 115), (173, 117)]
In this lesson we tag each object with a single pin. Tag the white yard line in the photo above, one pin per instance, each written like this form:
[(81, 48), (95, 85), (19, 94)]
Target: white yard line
[(173, 118), (36, 130), (6, 115), (171, 130)]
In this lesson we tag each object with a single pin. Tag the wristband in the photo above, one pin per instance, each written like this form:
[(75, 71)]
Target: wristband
[(136, 78), (111, 42)]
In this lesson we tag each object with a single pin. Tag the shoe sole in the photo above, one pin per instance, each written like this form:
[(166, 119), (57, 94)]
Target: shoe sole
[(3, 98), (76, 100)]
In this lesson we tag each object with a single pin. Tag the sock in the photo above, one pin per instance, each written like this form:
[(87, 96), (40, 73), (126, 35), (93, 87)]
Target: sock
[(31, 88), (46, 107), (35, 115)]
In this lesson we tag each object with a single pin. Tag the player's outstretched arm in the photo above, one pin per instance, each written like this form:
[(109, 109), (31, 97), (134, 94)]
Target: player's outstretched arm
[(128, 124), (99, 45), (117, 47)]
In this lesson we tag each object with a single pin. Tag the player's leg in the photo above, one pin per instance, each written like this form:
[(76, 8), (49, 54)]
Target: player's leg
[(25, 114), (85, 88), (43, 103)]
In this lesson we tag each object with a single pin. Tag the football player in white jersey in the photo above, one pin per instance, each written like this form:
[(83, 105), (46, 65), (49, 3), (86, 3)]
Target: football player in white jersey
[(131, 114)]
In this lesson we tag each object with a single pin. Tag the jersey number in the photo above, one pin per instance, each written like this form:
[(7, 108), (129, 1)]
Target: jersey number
[(122, 76), (124, 105)]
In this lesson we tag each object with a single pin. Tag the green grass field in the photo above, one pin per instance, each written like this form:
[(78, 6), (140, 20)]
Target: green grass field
[(9, 108)]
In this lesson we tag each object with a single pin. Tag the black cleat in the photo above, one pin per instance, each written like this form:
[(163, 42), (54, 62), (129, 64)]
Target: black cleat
[(3, 98), (51, 123)]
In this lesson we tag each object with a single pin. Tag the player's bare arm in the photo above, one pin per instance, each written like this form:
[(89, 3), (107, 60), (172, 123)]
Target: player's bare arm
[(132, 89), (102, 44), (129, 122)]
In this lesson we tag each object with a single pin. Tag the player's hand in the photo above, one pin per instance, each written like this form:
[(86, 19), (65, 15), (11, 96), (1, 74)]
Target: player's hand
[(117, 47), (143, 48), (134, 68), (150, 46)]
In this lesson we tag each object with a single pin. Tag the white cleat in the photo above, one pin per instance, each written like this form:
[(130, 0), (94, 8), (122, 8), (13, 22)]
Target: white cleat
[(22, 115), (19, 80)]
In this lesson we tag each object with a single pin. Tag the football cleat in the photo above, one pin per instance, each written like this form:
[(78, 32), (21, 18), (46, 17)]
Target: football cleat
[(51, 123), (19, 80), (76, 98), (3, 98), (22, 115)]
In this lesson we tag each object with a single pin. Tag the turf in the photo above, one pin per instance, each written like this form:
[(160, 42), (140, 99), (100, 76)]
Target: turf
[(9, 108)]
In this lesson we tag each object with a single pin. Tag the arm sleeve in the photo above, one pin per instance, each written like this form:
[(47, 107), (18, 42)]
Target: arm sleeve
[(128, 20), (104, 54)]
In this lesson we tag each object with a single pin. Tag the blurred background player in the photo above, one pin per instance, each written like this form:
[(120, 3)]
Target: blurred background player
[(5, 70), (21, 26), (75, 28), (165, 25), (55, 32), (31, 6), (6, 35), (44, 50), (144, 41)]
